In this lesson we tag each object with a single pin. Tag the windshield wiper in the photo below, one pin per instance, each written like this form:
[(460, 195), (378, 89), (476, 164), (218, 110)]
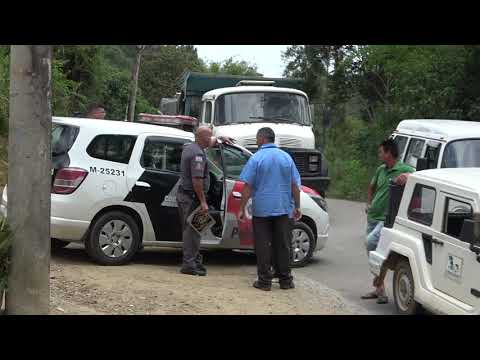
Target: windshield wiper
[(274, 119)]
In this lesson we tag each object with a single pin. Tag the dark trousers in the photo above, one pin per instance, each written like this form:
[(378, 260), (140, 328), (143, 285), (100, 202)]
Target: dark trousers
[(187, 202), (272, 246)]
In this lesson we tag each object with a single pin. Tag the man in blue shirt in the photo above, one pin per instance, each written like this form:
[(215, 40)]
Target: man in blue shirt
[(272, 180)]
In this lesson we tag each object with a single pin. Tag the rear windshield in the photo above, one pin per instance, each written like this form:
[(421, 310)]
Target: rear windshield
[(63, 137), (462, 153)]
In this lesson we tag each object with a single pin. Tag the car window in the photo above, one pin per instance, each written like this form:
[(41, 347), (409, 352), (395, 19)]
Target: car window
[(414, 152), (235, 160), (462, 153), (215, 161), (455, 214), (401, 142), (422, 204), (116, 148), (432, 153), (160, 154), (63, 137)]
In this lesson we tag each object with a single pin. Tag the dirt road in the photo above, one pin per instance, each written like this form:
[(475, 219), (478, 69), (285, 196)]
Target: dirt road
[(153, 285)]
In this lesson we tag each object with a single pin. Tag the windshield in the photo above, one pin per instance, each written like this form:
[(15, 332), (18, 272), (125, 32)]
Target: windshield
[(261, 107), (462, 153)]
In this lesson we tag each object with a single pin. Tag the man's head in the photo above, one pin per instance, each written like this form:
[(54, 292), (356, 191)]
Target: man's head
[(203, 136), (265, 136), (388, 152), (96, 111)]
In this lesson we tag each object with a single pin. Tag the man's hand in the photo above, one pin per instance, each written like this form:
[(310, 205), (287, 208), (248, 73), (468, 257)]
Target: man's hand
[(241, 214), (402, 179), (204, 208), (297, 214), (224, 139)]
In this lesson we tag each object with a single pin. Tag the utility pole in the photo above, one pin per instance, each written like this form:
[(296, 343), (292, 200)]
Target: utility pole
[(29, 179), (134, 87)]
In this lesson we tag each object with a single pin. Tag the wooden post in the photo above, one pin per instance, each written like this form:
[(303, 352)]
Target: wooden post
[(29, 179)]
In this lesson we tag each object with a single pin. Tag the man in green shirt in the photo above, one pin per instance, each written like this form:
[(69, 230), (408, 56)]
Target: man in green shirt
[(377, 205)]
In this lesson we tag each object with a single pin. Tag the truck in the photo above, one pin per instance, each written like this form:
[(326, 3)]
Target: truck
[(238, 106)]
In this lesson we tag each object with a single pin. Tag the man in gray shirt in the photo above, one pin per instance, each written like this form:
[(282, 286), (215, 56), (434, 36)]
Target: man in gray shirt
[(194, 184)]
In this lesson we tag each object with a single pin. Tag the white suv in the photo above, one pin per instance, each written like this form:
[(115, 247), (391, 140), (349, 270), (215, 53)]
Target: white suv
[(433, 243), (114, 188)]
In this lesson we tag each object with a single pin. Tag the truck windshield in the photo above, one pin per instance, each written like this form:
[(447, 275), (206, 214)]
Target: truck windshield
[(462, 153), (261, 107)]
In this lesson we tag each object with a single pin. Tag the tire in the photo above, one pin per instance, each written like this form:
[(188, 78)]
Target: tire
[(300, 253), (404, 289), (57, 244), (114, 239)]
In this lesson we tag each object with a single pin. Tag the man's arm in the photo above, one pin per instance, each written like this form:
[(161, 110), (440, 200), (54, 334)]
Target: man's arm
[(297, 213), (198, 187), (246, 194)]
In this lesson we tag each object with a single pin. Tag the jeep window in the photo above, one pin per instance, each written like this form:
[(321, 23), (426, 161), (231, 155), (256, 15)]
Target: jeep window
[(160, 154), (455, 214), (261, 107), (462, 153), (431, 153), (401, 142), (116, 148), (422, 205), (414, 152)]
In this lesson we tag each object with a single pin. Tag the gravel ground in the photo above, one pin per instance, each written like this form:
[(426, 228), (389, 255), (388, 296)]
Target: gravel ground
[(153, 285)]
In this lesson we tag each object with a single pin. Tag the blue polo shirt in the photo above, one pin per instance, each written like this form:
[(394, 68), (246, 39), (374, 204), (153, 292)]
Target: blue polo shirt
[(270, 173)]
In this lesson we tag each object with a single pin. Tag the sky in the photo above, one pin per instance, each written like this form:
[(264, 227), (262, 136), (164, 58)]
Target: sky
[(267, 57)]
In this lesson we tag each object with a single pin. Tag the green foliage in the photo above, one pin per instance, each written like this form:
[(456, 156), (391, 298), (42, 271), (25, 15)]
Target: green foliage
[(6, 240), (231, 66), (4, 89)]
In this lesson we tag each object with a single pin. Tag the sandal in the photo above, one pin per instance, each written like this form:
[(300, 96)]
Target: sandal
[(370, 295)]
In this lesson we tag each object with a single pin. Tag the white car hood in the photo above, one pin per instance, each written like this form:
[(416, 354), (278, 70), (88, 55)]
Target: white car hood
[(286, 135)]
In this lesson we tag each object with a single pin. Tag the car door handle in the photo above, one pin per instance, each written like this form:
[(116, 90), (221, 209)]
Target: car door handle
[(438, 242), (475, 292), (143, 184)]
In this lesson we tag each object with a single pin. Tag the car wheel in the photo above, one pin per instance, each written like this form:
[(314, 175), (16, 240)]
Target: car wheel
[(114, 239), (57, 244), (404, 289), (303, 245)]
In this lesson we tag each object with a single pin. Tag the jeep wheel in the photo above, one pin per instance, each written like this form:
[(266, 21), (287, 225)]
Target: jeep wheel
[(114, 239), (404, 289), (57, 244), (303, 244)]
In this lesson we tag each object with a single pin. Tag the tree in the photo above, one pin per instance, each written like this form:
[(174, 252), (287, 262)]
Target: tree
[(231, 66), (135, 72), (29, 179)]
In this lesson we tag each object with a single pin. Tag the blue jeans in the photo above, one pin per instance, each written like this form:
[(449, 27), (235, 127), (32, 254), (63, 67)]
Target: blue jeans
[(373, 234)]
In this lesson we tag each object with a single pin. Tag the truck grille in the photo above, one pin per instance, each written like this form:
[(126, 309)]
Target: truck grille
[(300, 161)]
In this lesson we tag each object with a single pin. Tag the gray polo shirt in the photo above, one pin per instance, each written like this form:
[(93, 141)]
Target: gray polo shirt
[(194, 164)]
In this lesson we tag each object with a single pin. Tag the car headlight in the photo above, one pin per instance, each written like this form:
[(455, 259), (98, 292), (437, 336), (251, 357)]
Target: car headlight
[(320, 202)]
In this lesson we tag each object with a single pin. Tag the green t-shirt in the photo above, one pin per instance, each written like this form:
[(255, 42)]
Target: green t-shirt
[(381, 181)]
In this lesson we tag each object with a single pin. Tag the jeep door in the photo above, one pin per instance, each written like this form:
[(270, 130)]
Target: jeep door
[(455, 267)]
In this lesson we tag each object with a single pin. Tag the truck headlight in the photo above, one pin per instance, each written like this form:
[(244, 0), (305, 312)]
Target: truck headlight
[(313, 167), (313, 159)]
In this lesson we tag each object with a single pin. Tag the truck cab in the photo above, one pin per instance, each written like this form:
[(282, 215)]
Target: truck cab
[(432, 243), (240, 111)]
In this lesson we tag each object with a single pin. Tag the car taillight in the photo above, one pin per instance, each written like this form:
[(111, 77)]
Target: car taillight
[(67, 180)]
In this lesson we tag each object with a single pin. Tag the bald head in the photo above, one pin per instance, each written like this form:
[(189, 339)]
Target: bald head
[(203, 134)]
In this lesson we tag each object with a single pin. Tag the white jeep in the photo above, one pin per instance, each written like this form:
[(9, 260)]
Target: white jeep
[(433, 242)]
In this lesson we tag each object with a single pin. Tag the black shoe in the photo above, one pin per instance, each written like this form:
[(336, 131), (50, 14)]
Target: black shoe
[(288, 285), (190, 271), (202, 268), (258, 285)]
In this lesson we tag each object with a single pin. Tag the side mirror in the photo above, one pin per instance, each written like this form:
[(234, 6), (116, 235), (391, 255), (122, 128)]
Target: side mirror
[(422, 164)]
